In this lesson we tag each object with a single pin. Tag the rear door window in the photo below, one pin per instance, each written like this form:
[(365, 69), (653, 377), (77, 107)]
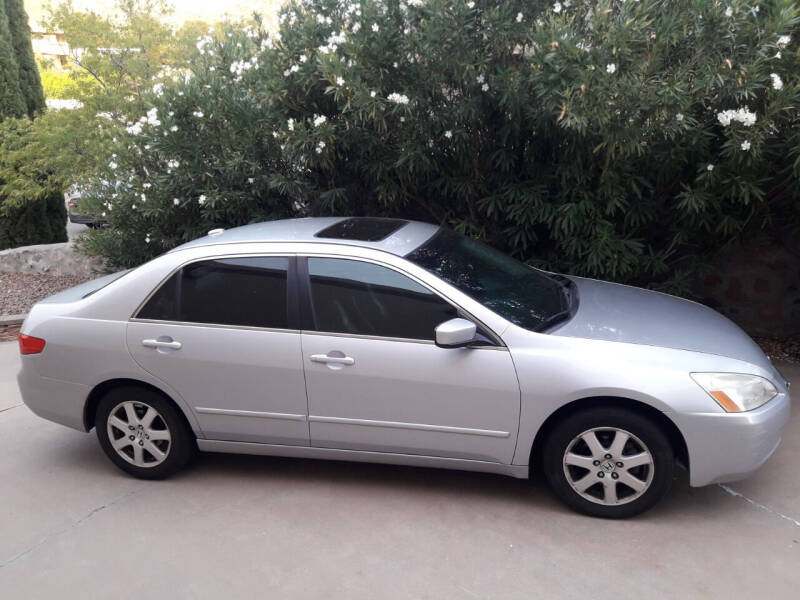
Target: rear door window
[(247, 291)]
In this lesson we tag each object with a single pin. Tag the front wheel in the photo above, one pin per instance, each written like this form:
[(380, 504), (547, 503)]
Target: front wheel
[(143, 433), (608, 462)]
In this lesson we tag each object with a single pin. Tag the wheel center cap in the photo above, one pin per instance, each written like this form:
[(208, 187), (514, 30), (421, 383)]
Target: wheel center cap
[(608, 466)]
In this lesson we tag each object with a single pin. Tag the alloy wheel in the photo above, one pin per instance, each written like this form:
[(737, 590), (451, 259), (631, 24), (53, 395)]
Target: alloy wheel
[(608, 466), (139, 434)]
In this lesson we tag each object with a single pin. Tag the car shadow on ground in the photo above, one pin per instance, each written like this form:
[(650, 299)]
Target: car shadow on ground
[(370, 480)]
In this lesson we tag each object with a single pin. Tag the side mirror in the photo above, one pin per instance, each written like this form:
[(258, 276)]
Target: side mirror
[(455, 333)]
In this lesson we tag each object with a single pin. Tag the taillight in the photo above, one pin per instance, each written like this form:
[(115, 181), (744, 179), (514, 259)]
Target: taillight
[(29, 344)]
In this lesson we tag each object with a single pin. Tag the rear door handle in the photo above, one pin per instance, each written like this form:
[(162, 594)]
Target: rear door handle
[(161, 344), (339, 360)]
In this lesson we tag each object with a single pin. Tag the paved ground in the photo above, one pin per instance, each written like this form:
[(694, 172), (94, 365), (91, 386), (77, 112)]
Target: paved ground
[(75, 229), (243, 527)]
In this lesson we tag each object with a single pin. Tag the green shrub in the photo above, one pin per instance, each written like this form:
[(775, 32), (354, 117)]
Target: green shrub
[(12, 102), (68, 85), (38, 221), (32, 207), (28, 75), (622, 140)]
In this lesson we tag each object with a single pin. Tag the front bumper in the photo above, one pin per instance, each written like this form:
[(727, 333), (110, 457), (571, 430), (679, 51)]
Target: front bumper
[(731, 446)]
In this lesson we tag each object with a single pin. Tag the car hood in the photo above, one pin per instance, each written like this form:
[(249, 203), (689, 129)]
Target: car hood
[(620, 313)]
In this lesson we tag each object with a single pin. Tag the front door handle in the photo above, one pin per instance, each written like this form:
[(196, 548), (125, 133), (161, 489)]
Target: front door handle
[(172, 344), (339, 360)]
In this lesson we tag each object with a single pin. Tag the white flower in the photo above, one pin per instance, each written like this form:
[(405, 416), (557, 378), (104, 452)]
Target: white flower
[(470, 5), (557, 7), (303, 58), (402, 119), (709, 167), (778, 54), (175, 201), (740, 115), (448, 134), (397, 98), (319, 120), (173, 164), (745, 145), (485, 87), (611, 68), (372, 94), (147, 239), (784, 40), (319, 147), (198, 114), (144, 198), (519, 17), (340, 81), (250, 180), (480, 78), (290, 124), (174, 128), (133, 207), (394, 65), (729, 12), (112, 165), (777, 83), (147, 186), (356, 27), (375, 28), (679, 116), (202, 199)]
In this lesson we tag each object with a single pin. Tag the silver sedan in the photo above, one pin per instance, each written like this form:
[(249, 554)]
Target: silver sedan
[(401, 342)]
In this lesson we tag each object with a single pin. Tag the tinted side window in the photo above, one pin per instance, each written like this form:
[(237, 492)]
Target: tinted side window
[(356, 297), (227, 291)]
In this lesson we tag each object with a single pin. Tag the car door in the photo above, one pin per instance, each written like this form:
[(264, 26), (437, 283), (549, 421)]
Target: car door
[(219, 332), (377, 382)]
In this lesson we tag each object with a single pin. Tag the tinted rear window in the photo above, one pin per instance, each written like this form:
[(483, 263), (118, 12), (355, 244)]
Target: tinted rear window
[(230, 291), (363, 229)]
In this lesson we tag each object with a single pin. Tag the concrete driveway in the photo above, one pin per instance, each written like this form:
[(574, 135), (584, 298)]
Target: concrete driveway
[(242, 527)]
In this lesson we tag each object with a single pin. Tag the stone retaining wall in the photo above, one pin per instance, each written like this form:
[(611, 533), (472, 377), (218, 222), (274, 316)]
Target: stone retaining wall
[(53, 259)]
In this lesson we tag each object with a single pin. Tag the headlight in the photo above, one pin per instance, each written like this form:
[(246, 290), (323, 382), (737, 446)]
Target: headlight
[(736, 392)]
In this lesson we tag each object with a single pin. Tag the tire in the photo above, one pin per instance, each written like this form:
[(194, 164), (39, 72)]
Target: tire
[(573, 462), (143, 433)]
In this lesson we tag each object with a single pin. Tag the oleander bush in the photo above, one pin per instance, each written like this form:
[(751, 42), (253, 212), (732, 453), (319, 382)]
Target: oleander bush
[(621, 140)]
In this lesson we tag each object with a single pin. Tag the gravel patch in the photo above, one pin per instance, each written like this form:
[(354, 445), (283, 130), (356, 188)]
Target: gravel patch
[(20, 291)]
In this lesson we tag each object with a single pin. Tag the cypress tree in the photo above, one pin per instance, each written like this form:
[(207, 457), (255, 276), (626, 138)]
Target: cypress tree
[(30, 83), (12, 102)]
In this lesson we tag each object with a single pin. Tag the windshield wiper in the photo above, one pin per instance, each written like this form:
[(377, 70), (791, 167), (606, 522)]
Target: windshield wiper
[(570, 291)]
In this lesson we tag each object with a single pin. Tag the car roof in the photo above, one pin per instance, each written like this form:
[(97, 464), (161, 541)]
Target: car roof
[(403, 237)]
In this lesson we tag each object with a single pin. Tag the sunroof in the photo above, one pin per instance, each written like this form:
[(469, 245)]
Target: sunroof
[(363, 229)]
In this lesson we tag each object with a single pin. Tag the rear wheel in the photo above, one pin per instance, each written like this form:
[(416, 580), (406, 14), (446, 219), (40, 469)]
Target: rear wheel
[(143, 433), (608, 462)]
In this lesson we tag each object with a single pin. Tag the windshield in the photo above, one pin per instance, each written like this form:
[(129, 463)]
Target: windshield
[(517, 292)]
